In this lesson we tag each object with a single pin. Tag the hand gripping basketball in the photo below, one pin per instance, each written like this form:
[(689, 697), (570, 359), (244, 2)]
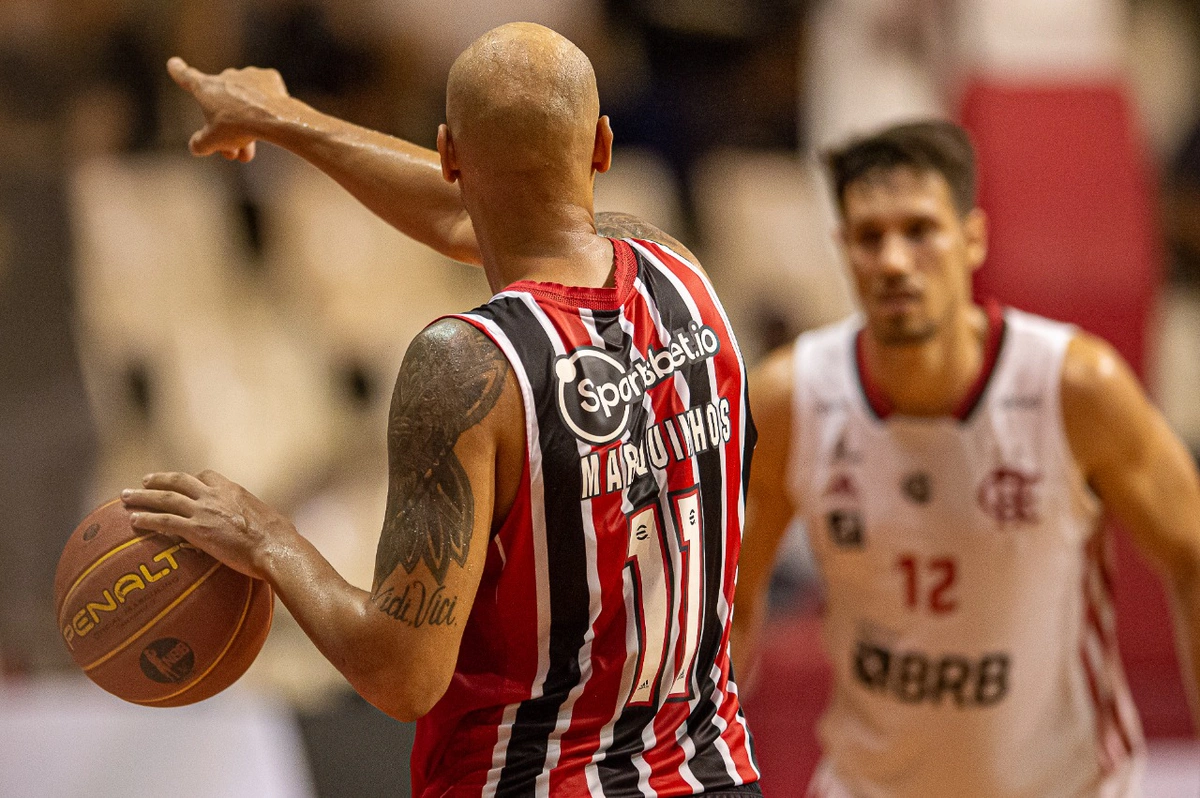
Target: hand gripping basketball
[(212, 513), (151, 618)]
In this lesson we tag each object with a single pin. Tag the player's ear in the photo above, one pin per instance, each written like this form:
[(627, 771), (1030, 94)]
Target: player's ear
[(602, 149), (445, 148), (975, 232)]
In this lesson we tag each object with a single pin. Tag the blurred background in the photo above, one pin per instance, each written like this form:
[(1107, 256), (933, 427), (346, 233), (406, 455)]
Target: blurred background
[(164, 312)]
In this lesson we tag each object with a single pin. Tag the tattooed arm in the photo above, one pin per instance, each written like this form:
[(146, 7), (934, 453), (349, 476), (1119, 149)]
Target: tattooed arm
[(623, 225), (455, 441)]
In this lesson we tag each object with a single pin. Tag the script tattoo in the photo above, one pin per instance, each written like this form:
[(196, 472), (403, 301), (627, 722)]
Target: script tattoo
[(451, 379), (626, 225), (417, 607)]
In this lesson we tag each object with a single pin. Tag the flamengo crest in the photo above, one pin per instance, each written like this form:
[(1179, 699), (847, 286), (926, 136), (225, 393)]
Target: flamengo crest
[(1008, 496)]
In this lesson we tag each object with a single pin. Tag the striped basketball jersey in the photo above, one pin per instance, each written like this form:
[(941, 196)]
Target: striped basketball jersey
[(969, 615), (595, 658)]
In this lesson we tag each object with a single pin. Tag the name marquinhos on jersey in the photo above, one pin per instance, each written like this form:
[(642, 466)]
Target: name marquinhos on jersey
[(690, 433), (915, 677), (596, 389)]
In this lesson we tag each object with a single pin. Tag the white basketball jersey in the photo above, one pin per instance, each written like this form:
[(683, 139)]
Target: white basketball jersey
[(969, 615)]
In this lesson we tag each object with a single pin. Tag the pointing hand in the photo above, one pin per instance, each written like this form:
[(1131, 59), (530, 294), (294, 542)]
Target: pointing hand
[(237, 104)]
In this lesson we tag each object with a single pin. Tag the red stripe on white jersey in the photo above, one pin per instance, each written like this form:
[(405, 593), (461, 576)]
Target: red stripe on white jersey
[(1098, 652)]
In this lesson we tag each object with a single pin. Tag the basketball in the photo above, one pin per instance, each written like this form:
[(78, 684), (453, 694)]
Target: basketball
[(152, 619)]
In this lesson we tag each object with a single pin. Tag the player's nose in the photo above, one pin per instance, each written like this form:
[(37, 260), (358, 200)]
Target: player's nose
[(895, 255)]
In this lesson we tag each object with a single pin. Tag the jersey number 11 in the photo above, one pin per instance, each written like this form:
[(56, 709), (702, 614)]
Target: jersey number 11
[(656, 556)]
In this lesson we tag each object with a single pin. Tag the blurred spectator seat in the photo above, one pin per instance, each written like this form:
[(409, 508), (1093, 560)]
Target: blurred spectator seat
[(639, 183), (1065, 183), (1176, 366), (185, 363), (769, 231), (1164, 70), (1059, 41), (423, 23), (364, 289), (871, 63)]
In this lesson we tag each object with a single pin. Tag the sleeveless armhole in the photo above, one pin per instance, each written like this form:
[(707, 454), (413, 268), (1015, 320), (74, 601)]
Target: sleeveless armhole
[(501, 342), (1057, 337)]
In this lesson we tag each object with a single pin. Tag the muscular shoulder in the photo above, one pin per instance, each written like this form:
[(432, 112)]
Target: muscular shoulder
[(452, 371), (456, 416), (450, 349), (624, 225), (456, 339), (1102, 402)]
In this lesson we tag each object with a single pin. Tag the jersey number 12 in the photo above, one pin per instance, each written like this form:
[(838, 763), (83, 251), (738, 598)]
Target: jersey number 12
[(928, 582)]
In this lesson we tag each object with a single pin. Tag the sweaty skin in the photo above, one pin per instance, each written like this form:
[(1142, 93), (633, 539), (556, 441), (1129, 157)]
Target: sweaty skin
[(510, 188)]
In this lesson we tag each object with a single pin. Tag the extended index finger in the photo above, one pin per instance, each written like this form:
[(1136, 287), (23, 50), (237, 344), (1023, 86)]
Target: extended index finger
[(186, 76)]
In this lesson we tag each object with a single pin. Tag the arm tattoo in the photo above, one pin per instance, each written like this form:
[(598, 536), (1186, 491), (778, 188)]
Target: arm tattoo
[(451, 379), (625, 225)]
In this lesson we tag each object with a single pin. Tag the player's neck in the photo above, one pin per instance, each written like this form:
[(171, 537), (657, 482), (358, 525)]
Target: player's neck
[(930, 378), (525, 237)]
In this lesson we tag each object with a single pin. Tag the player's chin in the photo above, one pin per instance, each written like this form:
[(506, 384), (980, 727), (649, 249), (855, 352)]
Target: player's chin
[(902, 329)]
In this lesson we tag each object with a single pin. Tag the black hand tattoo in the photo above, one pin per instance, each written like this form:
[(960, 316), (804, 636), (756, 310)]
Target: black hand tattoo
[(625, 225), (451, 379)]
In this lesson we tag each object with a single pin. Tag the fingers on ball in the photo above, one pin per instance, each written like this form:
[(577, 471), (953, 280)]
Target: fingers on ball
[(163, 501), (176, 481)]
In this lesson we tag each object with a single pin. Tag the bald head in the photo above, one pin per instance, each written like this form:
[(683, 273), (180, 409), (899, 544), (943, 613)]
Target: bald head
[(522, 96)]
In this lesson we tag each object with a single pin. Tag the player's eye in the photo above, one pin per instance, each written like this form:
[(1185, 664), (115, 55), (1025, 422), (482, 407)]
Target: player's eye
[(920, 230), (869, 238)]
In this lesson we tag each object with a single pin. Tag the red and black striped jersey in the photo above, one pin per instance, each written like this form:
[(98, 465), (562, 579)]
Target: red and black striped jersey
[(595, 659)]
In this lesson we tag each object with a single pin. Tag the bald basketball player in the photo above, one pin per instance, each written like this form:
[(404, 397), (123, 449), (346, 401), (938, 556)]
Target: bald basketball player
[(554, 579), (953, 464)]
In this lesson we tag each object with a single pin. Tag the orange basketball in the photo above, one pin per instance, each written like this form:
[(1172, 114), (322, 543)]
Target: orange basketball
[(152, 619)]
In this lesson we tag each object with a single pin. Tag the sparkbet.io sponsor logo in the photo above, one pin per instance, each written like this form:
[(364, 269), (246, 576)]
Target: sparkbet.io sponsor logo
[(597, 393), (596, 390)]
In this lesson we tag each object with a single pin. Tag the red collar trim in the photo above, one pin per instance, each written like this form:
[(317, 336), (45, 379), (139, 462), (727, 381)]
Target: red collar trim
[(877, 400), (625, 263), (882, 407), (991, 353)]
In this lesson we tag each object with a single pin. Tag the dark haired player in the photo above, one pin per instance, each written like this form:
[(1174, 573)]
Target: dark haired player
[(952, 463), (554, 579)]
